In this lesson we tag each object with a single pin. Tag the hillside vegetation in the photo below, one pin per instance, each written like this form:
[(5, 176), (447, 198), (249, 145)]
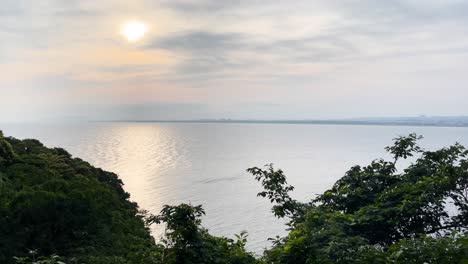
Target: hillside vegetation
[(55, 208)]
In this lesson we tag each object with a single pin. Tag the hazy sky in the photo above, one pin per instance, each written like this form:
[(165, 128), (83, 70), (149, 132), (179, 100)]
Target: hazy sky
[(233, 59)]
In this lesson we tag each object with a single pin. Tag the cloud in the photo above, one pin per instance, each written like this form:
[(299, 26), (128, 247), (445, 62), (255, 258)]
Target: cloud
[(10, 8), (199, 41), (202, 52), (331, 54), (201, 6)]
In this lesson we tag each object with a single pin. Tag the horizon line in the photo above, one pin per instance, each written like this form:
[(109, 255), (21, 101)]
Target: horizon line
[(384, 121)]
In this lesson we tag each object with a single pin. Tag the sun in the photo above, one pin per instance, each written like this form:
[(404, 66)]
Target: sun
[(133, 30)]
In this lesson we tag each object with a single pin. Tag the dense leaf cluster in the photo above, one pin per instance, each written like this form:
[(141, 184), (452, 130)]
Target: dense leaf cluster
[(375, 214), (187, 242), (61, 205), (59, 209)]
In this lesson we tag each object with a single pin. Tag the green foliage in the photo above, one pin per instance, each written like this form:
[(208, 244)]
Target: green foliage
[(187, 242), (404, 146), (7, 155), (56, 204), (442, 250), (34, 259), (62, 206), (375, 214), (277, 191), (182, 223)]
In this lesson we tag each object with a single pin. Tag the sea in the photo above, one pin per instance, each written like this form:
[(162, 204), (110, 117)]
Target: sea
[(205, 163)]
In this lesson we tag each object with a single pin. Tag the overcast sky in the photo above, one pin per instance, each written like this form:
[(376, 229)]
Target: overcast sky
[(277, 59)]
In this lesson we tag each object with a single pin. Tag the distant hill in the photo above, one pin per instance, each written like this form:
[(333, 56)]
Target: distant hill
[(442, 121), (418, 121)]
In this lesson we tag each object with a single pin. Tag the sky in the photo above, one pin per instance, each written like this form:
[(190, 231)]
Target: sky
[(240, 59)]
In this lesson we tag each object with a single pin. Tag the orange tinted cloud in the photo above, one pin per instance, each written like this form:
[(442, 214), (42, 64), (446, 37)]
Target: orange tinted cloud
[(106, 55)]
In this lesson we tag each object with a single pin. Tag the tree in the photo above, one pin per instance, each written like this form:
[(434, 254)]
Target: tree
[(52, 203), (187, 242), (376, 207), (277, 191)]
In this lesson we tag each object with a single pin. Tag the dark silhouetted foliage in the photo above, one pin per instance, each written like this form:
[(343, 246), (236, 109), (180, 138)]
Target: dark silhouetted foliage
[(187, 242), (375, 214), (59, 209), (55, 204), (63, 208)]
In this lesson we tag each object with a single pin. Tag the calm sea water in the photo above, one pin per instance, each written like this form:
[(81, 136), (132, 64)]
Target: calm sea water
[(171, 163)]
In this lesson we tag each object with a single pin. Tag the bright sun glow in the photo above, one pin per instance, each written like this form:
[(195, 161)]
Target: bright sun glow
[(134, 30)]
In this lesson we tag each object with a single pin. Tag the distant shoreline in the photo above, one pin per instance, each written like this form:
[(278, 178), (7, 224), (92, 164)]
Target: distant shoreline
[(447, 123)]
